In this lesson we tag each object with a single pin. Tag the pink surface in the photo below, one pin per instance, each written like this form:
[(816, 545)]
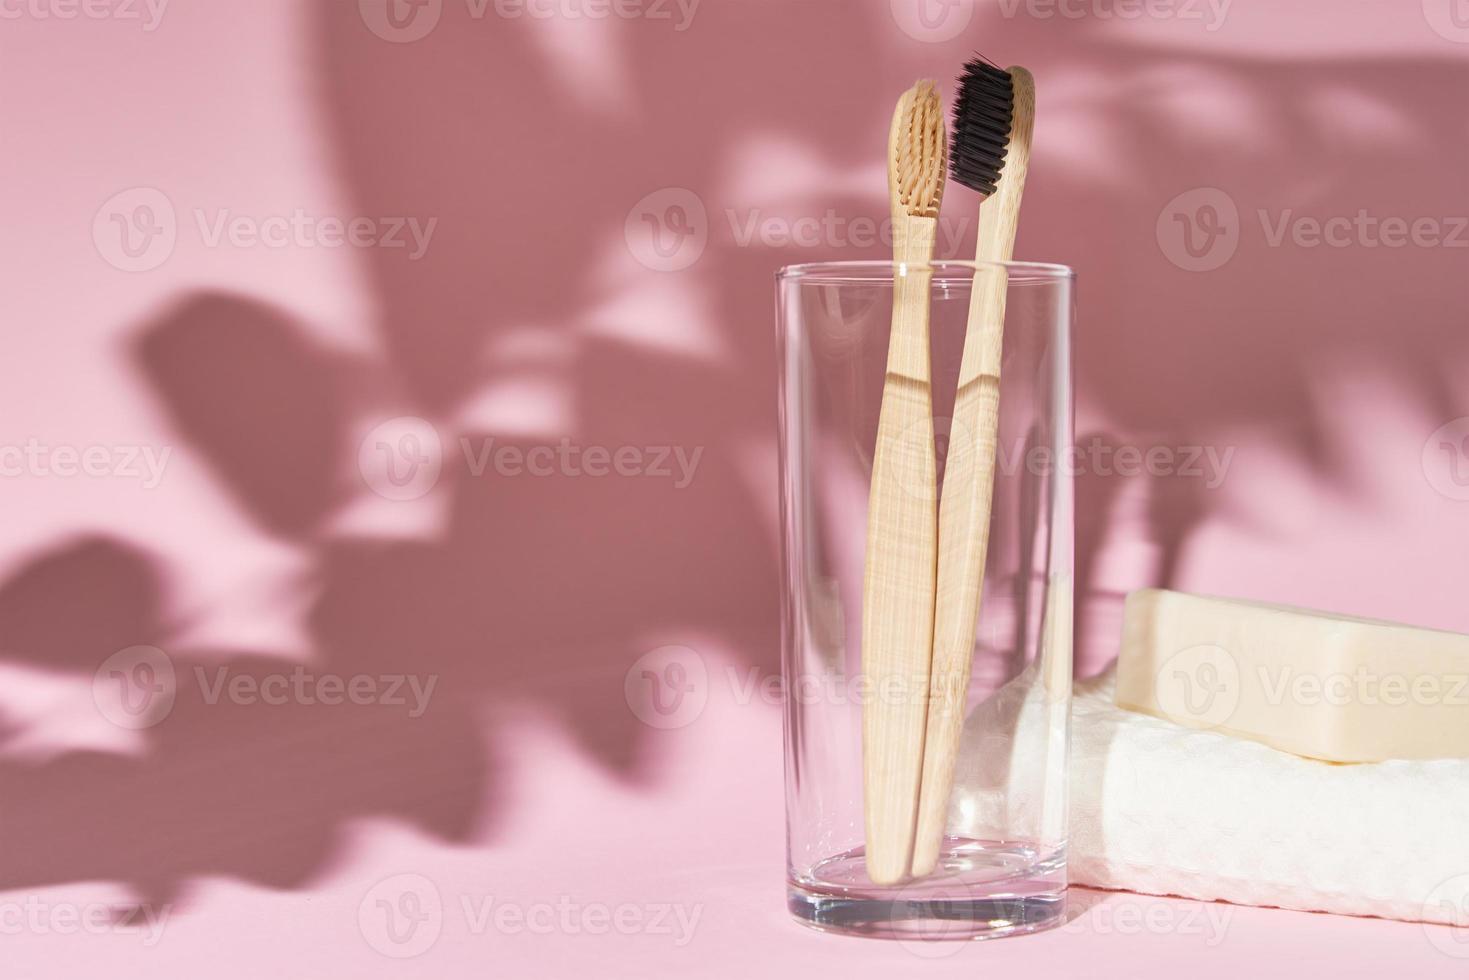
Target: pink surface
[(359, 246)]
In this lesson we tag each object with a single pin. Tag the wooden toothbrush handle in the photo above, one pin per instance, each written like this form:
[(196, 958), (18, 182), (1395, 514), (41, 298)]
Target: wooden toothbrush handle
[(969, 482), (900, 571)]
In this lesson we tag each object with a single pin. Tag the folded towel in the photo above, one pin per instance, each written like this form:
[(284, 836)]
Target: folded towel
[(1167, 810)]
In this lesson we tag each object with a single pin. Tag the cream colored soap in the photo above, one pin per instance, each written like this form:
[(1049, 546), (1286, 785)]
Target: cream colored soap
[(1315, 684)]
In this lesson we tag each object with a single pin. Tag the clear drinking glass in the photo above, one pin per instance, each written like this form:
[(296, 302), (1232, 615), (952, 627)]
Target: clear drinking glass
[(1002, 867)]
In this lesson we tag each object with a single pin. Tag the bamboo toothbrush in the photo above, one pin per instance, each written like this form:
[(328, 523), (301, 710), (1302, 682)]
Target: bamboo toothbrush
[(902, 522), (994, 115)]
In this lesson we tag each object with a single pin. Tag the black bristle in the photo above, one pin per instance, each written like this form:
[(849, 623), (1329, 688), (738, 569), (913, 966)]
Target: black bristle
[(981, 130)]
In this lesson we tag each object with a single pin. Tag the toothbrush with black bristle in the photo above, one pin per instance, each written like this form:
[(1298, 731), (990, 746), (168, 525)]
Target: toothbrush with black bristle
[(994, 115)]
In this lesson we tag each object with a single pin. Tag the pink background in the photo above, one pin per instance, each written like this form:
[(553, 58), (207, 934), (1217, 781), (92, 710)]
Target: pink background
[(539, 311)]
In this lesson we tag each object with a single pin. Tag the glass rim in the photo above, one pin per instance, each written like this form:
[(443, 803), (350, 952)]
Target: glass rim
[(881, 270)]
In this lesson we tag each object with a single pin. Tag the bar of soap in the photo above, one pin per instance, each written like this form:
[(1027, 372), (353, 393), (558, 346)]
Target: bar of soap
[(1315, 684)]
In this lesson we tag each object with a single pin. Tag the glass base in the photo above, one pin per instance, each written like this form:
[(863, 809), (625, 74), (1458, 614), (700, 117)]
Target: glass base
[(980, 890)]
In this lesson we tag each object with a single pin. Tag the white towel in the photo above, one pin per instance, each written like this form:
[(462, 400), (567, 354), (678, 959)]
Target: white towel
[(1167, 810)]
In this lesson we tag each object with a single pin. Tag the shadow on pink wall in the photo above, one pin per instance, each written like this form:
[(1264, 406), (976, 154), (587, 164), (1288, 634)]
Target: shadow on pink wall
[(543, 591)]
